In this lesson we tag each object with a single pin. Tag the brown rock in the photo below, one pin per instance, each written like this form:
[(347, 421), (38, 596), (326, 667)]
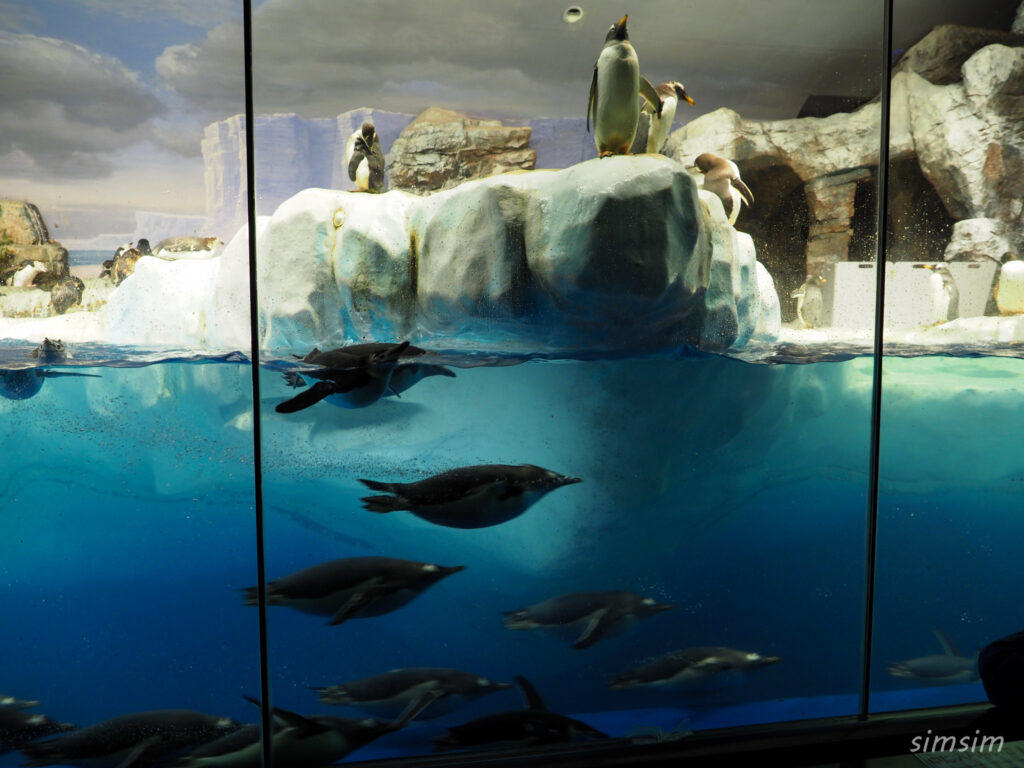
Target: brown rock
[(940, 54), (23, 235), (441, 148)]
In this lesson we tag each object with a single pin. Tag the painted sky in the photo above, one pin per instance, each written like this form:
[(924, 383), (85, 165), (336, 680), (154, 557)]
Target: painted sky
[(103, 102)]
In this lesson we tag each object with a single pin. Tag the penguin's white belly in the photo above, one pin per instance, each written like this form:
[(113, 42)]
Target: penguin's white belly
[(363, 175), (618, 94), (660, 126), (1010, 295)]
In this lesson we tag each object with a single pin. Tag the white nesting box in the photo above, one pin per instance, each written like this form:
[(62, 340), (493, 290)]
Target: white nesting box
[(849, 292)]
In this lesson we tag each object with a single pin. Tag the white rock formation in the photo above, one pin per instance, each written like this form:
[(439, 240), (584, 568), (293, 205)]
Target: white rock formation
[(617, 254)]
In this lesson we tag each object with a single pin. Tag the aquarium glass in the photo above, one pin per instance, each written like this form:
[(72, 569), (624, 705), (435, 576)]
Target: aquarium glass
[(952, 374), (731, 487), (126, 494)]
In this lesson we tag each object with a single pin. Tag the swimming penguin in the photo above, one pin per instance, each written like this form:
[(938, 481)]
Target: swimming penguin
[(349, 379), (389, 694), (694, 669), (534, 724), (18, 727), (298, 740), (353, 587), (944, 294), (365, 159), (657, 134), (940, 669), (66, 293), (615, 91), (23, 383), (129, 741), (25, 274), (1009, 291), (590, 615), (469, 497), (722, 177), (12, 703), (810, 302)]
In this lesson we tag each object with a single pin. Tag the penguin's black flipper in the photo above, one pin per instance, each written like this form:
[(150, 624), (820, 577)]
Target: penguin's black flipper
[(596, 628), (367, 594), (650, 95), (592, 101), (744, 190), (307, 397), (357, 158), (303, 725), (531, 699), (415, 708), (54, 374)]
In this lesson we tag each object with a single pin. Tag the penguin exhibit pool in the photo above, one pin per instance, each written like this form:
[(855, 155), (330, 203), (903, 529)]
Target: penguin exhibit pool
[(539, 457)]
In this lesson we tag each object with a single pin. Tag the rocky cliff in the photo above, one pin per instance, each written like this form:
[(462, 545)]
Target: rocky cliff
[(23, 235)]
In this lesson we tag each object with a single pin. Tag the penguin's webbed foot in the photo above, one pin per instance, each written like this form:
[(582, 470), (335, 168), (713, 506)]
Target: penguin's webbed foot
[(293, 379)]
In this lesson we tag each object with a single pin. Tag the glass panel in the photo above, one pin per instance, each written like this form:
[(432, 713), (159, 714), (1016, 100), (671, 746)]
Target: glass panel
[(948, 528), (582, 320), (127, 480)]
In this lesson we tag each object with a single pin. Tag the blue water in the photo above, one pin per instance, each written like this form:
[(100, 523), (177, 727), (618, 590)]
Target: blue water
[(736, 492)]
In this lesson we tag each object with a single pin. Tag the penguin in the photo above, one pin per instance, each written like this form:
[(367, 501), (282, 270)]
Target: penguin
[(353, 587), (615, 90), (469, 497), (129, 741), (694, 669), (722, 177), (349, 378), (365, 159), (18, 727), (12, 703), (298, 741), (183, 247), (940, 669), (810, 302), (124, 265), (534, 724), (593, 615), (657, 134), (944, 293), (389, 694), (25, 274), (1009, 291), (66, 293), (23, 383)]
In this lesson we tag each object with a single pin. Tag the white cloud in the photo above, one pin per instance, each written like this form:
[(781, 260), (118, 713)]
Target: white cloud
[(63, 108)]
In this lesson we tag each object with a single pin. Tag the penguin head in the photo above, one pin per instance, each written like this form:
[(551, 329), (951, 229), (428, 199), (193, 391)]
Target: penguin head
[(680, 91), (618, 32), (368, 131), (649, 606), (705, 162), (143, 246)]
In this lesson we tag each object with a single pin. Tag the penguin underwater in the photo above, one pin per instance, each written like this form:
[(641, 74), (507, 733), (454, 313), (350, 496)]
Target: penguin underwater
[(353, 587), (534, 724), (18, 727), (700, 668), (358, 375), (364, 159), (129, 741), (722, 177), (601, 614), (298, 740), (390, 693), (469, 497), (615, 89), (939, 669)]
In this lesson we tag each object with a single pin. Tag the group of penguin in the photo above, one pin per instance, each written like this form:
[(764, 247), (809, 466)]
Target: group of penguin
[(122, 266), (621, 125), (65, 290)]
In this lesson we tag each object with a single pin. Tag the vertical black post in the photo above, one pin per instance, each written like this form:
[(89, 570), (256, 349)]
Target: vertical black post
[(882, 221), (266, 718)]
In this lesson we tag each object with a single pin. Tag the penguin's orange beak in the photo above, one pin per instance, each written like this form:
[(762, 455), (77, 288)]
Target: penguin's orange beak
[(687, 99), (624, 20)]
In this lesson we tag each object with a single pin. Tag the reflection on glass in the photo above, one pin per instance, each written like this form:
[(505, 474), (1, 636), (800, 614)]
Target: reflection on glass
[(125, 411)]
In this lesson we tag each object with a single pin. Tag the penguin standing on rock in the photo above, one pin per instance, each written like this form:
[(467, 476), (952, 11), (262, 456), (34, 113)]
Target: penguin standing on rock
[(810, 302), (722, 177), (615, 90), (670, 95), (365, 159)]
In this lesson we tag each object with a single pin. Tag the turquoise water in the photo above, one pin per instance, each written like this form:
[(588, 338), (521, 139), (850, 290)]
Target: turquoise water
[(734, 491)]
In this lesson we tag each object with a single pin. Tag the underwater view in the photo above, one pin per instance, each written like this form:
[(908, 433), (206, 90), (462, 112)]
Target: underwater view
[(544, 427)]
